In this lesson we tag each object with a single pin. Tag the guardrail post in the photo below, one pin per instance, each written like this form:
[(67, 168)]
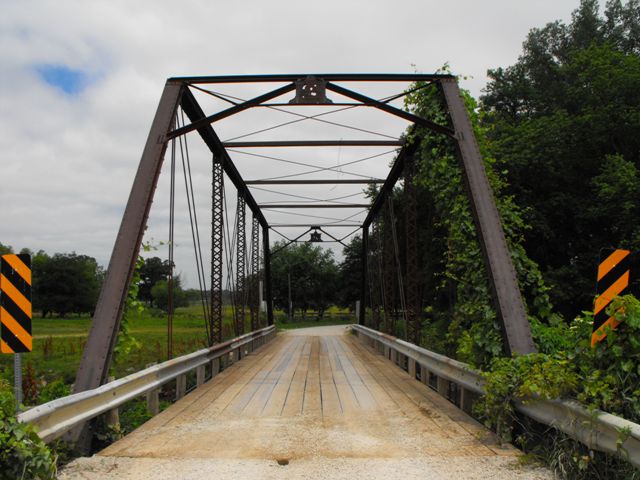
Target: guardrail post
[(424, 375), (443, 386), (153, 401), (215, 367), (112, 417), (394, 356), (411, 367), (466, 400), (200, 375), (181, 386)]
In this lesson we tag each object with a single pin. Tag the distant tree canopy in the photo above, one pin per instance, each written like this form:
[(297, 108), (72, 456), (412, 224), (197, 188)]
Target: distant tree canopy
[(314, 277), (160, 295), (563, 123), (350, 274), (65, 283), (152, 271)]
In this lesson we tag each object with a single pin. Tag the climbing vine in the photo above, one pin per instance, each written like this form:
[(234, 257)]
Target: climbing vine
[(460, 299)]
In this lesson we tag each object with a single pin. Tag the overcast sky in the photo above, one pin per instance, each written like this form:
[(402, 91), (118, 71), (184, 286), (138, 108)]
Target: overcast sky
[(81, 80)]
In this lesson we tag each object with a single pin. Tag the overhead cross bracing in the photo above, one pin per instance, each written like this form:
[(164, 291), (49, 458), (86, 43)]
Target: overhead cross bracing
[(291, 135)]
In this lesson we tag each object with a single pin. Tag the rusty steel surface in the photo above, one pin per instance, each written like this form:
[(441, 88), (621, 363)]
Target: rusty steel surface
[(97, 355), (500, 269), (241, 252), (217, 246), (412, 304), (254, 283), (98, 351)]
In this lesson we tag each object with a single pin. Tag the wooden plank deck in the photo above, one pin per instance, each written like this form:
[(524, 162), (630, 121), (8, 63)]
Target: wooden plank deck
[(315, 393)]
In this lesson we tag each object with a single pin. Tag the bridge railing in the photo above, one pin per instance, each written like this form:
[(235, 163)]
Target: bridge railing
[(55, 418), (460, 383)]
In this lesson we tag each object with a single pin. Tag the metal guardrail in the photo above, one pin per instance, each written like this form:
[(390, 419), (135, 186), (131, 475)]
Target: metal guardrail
[(597, 430), (54, 418)]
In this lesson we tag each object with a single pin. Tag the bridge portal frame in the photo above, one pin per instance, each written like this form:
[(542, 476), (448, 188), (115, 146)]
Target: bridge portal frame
[(98, 351)]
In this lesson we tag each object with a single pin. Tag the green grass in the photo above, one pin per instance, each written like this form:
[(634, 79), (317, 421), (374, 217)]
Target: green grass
[(59, 342)]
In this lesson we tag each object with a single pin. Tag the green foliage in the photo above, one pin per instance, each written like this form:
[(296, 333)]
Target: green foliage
[(53, 390), (160, 294), (22, 453), (65, 283), (152, 271), (314, 277), (562, 123), (350, 273), (605, 377), (460, 298), (126, 342)]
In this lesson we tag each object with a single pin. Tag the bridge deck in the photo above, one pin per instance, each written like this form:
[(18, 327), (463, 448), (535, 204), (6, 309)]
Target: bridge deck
[(320, 400)]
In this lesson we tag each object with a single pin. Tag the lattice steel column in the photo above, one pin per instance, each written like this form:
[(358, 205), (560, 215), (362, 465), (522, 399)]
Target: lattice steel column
[(373, 257), (241, 252), (254, 295), (217, 240), (412, 302), (388, 273)]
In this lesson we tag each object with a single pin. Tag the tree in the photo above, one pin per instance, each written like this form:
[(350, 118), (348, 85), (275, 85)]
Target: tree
[(351, 273), (160, 294), (65, 283), (313, 273), (5, 249), (152, 271), (563, 124)]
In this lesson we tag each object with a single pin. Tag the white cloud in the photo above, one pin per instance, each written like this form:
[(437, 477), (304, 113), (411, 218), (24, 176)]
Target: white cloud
[(68, 161)]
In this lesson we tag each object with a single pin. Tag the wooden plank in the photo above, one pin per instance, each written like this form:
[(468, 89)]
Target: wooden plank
[(218, 405), (348, 399), (361, 392), (312, 404), (328, 392), (281, 374), (452, 421), (295, 395), (382, 398), (267, 373)]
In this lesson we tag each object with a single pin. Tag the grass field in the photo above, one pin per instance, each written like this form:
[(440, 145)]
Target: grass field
[(58, 342)]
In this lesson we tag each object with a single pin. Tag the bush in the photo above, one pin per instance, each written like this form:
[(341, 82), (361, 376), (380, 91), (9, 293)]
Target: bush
[(22, 453)]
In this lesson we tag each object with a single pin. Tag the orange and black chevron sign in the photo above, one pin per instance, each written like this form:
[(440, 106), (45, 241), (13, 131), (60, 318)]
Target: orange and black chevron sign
[(613, 280), (15, 304)]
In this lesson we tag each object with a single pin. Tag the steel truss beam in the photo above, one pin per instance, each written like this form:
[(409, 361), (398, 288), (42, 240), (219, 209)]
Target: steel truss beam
[(316, 143), (202, 122), (502, 274), (389, 109), (315, 205), (254, 294), (412, 303), (195, 113), (217, 245), (98, 351), (315, 182), (241, 252), (329, 77)]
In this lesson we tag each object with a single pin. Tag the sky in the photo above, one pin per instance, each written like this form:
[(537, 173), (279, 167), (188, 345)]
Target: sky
[(80, 82)]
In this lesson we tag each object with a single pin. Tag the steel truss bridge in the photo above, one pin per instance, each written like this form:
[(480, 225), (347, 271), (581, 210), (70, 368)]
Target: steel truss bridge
[(390, 291)]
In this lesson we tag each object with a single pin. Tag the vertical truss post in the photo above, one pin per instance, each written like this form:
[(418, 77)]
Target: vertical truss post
[(217, 242), (412, 302), (267, 275), (388, 272), (254, 295), (502, 274), (375, 272), (364, 274), (241, 252), (96, 359)]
